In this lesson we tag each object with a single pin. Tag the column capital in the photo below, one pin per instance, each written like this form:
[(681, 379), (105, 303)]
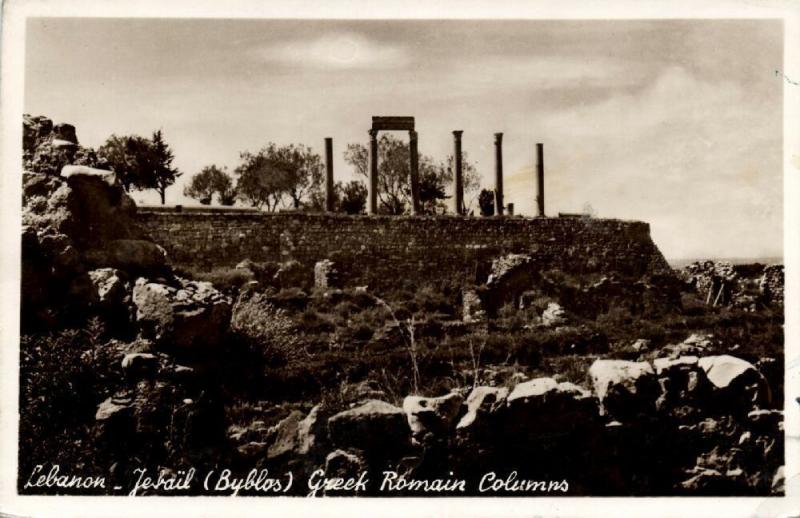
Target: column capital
[(413, 135), (373, 133), (457, 133), (498, 138)]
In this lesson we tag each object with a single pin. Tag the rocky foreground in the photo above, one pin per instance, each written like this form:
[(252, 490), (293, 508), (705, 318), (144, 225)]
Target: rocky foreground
[(679, 419)]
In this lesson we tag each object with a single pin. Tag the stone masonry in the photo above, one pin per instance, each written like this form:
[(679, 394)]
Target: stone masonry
[(389, 249)]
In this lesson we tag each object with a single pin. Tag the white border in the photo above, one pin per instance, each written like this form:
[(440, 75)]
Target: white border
[(13, 47)]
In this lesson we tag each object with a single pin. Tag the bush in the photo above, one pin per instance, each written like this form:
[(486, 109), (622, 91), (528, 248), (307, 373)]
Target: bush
[(266, 328), (63, 376), (224, 279)]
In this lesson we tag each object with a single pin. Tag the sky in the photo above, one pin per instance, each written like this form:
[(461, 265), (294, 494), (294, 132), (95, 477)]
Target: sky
[(673, 122)]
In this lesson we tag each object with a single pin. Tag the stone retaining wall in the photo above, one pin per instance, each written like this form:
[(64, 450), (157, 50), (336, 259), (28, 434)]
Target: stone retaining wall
[(388, 249)]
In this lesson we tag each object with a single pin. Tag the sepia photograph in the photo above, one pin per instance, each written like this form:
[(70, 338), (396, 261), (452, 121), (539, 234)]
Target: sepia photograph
[(395, 256)]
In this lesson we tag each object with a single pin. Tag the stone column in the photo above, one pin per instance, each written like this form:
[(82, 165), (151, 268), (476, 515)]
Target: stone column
[(329, 187), (540, 178), (416, 209), (498, 173), (459, 174), (372, 186)]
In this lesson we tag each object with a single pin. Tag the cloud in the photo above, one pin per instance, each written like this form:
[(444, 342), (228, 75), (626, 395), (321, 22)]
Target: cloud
[(337, 51), (688, 154)]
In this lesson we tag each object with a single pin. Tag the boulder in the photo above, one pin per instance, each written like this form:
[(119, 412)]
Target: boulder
[(472, 306), (554, 315), (286, 435), (509, 277), (189, 315), (432, 414), (769, 422), (682, 381), (695, 345), (624, 388), (66, 132), (140, 364), (736, 382), (375, 425), (34, 130), (326, 275), (481, 403), (640, 345), (58, 143), (545, 407), (109, 286), (297, 435), (112, 408), (75, 171), (133, 255), (343, 465)]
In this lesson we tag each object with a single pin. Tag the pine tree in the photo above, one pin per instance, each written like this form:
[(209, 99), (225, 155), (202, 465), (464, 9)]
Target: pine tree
[(164, 173)]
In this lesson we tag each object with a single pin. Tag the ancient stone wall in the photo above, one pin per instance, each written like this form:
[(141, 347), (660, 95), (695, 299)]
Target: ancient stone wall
[(390, 249)]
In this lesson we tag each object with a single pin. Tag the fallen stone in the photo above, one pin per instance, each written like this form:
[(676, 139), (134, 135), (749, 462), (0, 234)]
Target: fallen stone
[(434, 415), (554, 315), (194, 314), (59, 144), (472, 306), (74, 171), (286, 435), (343, 465), (766, 421), (109, 287), (66, 132), (624, 388), (482, 402), (112, 408), (542, 406), (140, 364), (735, 380), (325, 275), (371, 426)]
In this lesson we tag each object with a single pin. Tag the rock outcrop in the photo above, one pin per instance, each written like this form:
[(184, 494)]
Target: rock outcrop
[(188, 315)]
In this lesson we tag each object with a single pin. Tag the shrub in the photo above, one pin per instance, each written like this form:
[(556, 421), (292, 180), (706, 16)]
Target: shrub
[(266, 327), (223, 278)]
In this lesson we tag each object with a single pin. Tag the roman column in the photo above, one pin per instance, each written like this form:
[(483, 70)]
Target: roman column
[(498, 173), (459, 173), (416, 209), (372, 187), (329, 193), (540, 178)]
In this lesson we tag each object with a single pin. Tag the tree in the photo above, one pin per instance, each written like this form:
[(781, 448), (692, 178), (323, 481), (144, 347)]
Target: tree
[(274, 173), (353, 197), (131, 158), (472, 180), (394, 189), (261, 183), (209, 181), (393, 171), (486, 202), (140, 163), (431, 190), (164, 174), (305, 171)]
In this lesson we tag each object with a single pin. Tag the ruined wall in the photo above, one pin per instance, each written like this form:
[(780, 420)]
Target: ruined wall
[(390, 249)]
